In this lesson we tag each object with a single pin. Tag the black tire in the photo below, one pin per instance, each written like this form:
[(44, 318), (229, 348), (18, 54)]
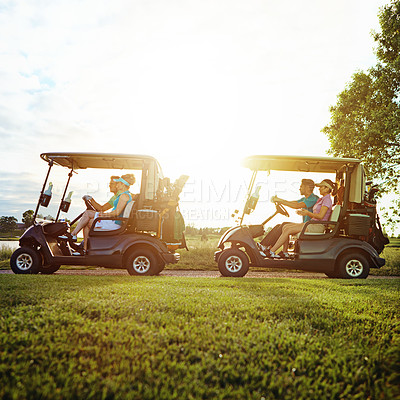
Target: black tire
[(25, 260), (353, 266), (142, 262), (233, 263), (331, 274), (49, 269), (160, 267)]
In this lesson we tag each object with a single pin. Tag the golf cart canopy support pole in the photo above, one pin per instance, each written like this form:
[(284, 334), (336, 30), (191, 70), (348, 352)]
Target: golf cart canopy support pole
[(65, 191), (43, 188), (252, 180)]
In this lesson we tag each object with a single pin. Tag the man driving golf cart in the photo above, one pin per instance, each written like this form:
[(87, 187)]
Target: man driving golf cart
[(349, 244), (149, 230), (307, 201)]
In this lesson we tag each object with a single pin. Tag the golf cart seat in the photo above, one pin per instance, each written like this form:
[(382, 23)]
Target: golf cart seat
[(329, 225), (127, 214)]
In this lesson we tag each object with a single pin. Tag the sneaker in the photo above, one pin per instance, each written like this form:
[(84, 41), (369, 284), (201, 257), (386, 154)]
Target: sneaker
[(262, 249), (68, 236), (80, 253), (260, 246), (273, 255), (284, 254)]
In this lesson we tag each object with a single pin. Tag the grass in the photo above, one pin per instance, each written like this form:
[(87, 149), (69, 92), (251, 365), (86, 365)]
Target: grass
[(200, 254), (5, 255), (182, 338)]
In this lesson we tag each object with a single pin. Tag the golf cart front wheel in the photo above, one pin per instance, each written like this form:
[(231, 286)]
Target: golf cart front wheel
[(233, 263), (25, 260), (142, 262), (353, 266)]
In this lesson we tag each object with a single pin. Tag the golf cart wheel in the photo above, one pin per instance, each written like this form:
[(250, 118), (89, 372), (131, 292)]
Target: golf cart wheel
[(25, 260), (331, 274), (160, 267), (142, 262), (49, 269), (353, 266), (234, 263)]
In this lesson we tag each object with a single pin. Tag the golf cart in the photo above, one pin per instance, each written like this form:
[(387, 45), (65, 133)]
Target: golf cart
[(151, 227), (350, 244)]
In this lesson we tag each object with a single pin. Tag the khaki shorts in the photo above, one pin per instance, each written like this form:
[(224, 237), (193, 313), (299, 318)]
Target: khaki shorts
[(316, 228)]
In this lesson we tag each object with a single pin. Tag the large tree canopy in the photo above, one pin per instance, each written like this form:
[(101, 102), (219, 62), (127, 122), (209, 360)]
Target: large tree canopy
[(365, 122), (27, 218), (8, 224)]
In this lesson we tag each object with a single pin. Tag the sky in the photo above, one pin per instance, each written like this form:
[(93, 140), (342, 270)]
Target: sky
[(198, 84)]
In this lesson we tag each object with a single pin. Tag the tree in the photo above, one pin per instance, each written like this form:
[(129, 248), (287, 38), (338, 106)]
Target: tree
[(27, 218), (365, 122), (8, 224)]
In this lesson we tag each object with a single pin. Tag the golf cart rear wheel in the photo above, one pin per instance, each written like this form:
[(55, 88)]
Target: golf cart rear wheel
[(353, 266), (142, 262), (234, 263), (25, 260)]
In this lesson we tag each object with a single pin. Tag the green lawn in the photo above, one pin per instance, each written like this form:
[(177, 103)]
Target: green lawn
[(183, 338)]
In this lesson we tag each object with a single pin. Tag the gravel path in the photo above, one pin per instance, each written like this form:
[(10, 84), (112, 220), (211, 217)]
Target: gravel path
[(200, 274)]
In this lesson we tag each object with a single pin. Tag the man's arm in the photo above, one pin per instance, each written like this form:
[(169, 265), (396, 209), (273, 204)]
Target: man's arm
[(292, 204)]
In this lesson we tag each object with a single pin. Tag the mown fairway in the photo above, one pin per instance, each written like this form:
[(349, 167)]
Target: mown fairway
[(165, 338)]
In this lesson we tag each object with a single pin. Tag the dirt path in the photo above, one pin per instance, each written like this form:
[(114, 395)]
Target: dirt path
[(199, 274)]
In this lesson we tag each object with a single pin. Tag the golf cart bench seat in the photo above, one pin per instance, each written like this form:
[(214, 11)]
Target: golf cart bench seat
[(145, 220), (328, 224), (127, 214)]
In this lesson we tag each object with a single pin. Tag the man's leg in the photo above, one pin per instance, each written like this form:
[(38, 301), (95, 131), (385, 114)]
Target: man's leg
[(272, 236)]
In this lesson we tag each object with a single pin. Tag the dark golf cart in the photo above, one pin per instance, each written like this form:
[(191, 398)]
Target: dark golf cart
[(150, 232), (353, 236)]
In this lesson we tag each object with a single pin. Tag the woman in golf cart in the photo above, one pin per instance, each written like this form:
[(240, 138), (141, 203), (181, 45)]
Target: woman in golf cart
[(321, 212), (110, 203), (122, 199)]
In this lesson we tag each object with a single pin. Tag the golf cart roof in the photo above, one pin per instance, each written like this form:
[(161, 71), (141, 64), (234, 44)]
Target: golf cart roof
[(298, 163), (98, 160)]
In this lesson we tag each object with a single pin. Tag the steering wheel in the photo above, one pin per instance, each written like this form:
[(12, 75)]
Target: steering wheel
[(89, 205), (281, 210)]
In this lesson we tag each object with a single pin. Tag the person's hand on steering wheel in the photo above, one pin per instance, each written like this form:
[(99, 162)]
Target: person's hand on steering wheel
[(86, 198)]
